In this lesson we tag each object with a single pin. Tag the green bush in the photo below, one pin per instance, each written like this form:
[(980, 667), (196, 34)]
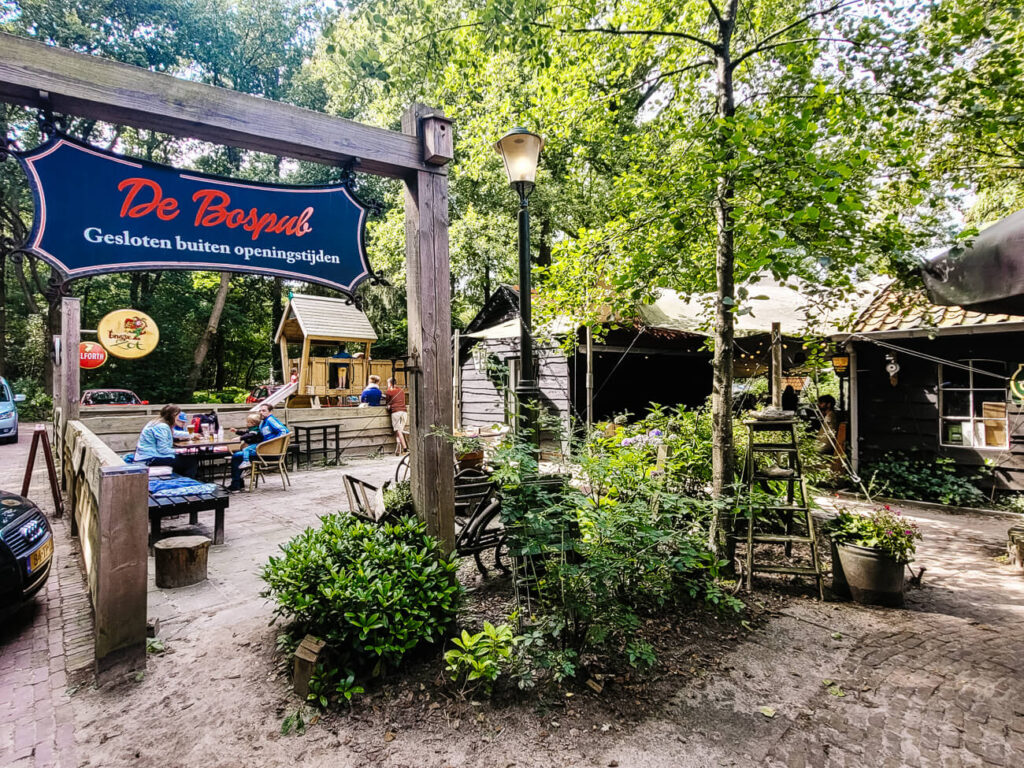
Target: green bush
[(924, 479), (38, 405), (596, 559), (226, 395), (373, 593), (477, 660), (397, 498)]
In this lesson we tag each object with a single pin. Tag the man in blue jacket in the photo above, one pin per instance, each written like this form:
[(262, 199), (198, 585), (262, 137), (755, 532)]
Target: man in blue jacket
[(270, 428)]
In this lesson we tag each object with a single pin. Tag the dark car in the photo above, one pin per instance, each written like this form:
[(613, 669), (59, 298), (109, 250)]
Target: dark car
[(26, 549), (111, 397), (8, 412)]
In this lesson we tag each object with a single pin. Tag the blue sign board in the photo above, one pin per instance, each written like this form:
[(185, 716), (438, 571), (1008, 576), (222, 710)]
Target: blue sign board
[(97, 212)]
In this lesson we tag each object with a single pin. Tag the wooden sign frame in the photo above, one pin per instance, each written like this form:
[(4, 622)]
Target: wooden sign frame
[(53, 79)]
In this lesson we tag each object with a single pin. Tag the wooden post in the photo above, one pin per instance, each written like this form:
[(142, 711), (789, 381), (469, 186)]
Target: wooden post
[(70, 335), (119, 584), (590, 380), (430, 328), (854, 410), (456, 384), (776, 382)]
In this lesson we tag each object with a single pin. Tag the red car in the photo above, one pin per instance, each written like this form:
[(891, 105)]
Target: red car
[(262, 392), (111, 397)]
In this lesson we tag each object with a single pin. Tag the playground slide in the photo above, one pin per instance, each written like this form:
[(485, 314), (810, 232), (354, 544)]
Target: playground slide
[(277, 397)]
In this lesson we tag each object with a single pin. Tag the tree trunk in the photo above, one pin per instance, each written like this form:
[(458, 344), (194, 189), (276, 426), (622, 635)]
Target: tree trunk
[(53, 328), (211, 329), (277, 312), (722, 453), (218, 352)]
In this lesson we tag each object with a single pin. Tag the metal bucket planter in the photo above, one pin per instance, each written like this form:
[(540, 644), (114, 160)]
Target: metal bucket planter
[(873, 577), (839, 586)]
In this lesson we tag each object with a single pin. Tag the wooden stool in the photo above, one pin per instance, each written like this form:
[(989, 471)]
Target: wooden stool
[(181, 560)]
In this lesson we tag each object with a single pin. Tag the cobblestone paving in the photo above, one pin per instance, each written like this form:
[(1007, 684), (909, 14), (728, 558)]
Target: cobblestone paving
[(938, 684), (45, 648)]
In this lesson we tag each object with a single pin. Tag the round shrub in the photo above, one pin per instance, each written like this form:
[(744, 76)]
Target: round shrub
[(373, 593)]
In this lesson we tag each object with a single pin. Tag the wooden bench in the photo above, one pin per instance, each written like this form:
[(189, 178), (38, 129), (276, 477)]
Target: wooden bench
[(190, 504)]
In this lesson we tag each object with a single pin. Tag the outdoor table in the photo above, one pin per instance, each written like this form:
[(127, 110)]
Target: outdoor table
[(185, 503), (307, 430), (209, 452)]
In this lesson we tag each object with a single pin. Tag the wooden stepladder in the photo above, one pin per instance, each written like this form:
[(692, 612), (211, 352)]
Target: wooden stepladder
[(777, 439), (39, 436)]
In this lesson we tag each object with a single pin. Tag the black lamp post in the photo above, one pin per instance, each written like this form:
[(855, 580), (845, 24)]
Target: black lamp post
[(520, 150)]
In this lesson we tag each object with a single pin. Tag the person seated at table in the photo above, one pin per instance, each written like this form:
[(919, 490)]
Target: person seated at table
[(372, 394), (180, 429), (156, 444), (269, 428), (251, 432)]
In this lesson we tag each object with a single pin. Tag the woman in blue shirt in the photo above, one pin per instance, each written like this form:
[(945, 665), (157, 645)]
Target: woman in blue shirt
[(156, 444)]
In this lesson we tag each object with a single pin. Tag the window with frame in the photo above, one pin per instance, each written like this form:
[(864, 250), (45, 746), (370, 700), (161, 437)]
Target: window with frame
[(972, 404)]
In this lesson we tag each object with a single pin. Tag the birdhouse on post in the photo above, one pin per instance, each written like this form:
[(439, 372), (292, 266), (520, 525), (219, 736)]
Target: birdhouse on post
[(438, 145)]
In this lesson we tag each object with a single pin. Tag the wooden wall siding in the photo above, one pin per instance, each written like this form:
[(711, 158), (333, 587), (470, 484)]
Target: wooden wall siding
[(483, 404), (905, 417)]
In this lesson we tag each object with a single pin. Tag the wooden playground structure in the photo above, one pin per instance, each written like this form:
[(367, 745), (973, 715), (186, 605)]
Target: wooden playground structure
[(334, 362)]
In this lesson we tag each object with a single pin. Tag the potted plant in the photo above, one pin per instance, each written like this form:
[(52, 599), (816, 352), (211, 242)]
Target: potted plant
[(469, 451), (870, 553)]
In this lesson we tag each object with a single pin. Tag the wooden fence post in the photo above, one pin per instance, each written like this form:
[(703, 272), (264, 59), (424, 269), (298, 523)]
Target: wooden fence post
[(428, 289), (119, 600), (70, 334)]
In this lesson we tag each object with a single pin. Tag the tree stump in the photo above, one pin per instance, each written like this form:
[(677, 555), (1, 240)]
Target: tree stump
[(181, 560), (1015, 546)]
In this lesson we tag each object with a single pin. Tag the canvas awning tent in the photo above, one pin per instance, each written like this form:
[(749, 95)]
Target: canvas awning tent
[(987, 276), (794, 306)]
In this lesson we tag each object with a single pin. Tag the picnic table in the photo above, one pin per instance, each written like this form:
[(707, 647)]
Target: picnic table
[(209, 453), (174, 495)]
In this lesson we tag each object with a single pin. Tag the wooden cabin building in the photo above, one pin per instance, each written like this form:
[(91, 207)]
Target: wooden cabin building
[(937, 381), (327, 343), (658, 358)]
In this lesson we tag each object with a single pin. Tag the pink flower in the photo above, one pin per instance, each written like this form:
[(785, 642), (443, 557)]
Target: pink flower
[(886, 506), (909, 533)]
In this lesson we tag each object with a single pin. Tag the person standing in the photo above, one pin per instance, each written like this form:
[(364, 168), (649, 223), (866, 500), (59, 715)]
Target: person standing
[(372, 394), (269, 429), (829, 425), (790, 399), (394, 398)]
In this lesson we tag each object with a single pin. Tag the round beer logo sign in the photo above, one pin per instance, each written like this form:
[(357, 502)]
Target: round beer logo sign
[(91, 355), (128, 333)]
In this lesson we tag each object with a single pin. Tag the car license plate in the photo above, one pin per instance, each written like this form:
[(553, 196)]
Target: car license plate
[(41, 556)]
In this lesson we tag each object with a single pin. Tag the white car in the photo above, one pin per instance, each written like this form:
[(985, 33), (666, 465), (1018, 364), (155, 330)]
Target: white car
[(8, 412)]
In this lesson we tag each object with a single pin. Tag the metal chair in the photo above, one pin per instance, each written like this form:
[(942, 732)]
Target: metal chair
[(472, 488), (271, 456)]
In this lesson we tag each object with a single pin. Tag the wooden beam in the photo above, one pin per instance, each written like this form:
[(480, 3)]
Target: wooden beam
[(44, 76), (430, 350)]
